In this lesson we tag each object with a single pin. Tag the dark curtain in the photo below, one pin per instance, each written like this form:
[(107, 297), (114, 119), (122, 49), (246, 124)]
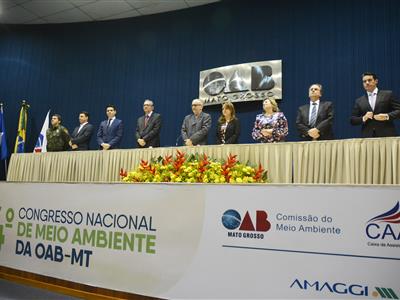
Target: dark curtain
[(84, 66)]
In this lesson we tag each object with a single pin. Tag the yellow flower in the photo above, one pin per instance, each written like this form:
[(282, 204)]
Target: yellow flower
[(189, 172)]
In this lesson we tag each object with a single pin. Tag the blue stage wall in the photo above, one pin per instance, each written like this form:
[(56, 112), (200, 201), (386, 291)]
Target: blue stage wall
[(84, 66)]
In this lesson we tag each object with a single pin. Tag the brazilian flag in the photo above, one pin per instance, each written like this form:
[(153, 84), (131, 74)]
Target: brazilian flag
[(21, 137)]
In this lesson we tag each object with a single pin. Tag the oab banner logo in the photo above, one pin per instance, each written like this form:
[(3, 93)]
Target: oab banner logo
[(343, 288), (248, 226), (384, 229)]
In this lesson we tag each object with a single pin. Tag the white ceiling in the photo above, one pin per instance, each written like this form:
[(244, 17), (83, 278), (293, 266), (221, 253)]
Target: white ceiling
[(68, 11)]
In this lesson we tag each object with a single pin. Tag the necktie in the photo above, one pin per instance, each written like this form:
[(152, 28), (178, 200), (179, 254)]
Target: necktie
[(313, 117), (109, 123), (146, 119)]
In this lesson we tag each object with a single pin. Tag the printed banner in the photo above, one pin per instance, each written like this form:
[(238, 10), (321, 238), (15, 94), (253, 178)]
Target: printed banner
[(207, 241)]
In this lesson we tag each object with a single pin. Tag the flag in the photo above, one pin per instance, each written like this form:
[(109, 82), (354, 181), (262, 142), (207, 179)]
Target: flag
[(21, 137), (41, 143), (3, 142)]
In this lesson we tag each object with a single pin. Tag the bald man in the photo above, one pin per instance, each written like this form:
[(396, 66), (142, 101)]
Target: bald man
[(195, 127)]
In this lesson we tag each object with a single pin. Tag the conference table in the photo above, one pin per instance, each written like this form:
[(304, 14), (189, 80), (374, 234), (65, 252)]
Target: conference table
[(350, 161)]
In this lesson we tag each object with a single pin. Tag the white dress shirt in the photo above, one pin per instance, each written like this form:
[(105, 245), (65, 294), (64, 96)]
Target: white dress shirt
[(81, 126), (372, 98)]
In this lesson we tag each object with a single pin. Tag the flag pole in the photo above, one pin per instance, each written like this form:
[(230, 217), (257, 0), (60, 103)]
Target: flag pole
[(5, 161), (22, 121), (24, 103), (5, 168)]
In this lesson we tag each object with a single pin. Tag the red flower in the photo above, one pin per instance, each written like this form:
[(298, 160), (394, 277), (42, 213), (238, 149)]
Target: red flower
[(226, 167), (123, 173), (259, 173), (179, 160), (167, 160), (144, 164), (204, 162)]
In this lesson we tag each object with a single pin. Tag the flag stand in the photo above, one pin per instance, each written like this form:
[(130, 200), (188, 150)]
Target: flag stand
[(5, 168)]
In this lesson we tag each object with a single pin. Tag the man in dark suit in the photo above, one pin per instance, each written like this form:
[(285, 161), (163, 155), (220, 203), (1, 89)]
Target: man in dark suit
[(148, 127), (110, 131), (314, 120), (80, 137), (375, 110), (195, 126)]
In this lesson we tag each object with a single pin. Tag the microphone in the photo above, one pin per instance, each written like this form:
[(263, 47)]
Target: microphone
[(177, 139)]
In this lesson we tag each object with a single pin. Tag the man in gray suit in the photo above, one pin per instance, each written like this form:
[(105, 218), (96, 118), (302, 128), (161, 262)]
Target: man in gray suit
[(80, 137), (148, 127), (195, 126)]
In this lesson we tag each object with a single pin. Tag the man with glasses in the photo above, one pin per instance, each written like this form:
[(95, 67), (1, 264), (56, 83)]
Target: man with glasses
[(195, 126), (148, 127), (375, 110), (110, 131)]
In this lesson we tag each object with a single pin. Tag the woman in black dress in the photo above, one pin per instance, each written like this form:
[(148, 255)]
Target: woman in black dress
[(228, 129)]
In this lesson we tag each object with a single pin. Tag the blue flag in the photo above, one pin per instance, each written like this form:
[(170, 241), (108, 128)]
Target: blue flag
[(3, 142)]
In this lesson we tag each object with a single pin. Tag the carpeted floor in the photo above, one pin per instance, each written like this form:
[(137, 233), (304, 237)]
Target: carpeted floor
[(11, 291)]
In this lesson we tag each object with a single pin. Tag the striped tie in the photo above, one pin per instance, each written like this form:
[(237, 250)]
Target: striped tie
[(313, 117)]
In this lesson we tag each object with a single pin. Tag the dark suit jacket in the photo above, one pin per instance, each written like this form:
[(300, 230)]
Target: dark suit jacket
[(196, 129), (150, 133), (323, 123), (385, 104), (82, 139), (232, 132), (111, 135)]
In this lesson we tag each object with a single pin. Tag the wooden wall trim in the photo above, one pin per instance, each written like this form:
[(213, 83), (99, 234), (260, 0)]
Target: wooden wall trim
[(66, 287)]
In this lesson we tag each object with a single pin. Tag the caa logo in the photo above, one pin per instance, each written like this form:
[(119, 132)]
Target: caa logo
[(231, 220), (385, 226)]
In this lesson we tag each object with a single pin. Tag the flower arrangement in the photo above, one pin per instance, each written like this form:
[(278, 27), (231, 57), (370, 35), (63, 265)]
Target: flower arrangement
[(195, 168)]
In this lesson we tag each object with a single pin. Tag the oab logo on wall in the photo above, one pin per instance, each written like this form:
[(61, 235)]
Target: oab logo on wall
[(384, 229), (252, 227)]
